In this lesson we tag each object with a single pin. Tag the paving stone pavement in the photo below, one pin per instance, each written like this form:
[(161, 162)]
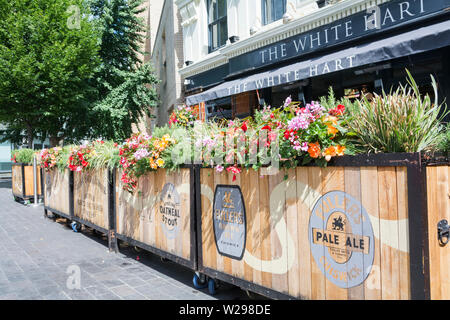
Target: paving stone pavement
[(39, 258)]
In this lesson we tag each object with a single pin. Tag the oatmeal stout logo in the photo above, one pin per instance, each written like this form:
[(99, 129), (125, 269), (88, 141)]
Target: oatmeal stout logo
[(169, 210), (229, 221), (341, 239)]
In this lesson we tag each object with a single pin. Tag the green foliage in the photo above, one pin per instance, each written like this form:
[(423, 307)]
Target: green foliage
[(106, 156), (444, 144), (45, 61), (124, 86), (23, 155), (63, 157), (401, 121), (127, 103)]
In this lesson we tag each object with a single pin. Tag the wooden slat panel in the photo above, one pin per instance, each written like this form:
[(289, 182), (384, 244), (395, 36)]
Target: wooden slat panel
[(264, 210), (438, 192), (255, 222), (318, 285), (56, 185), (277, 194), (160, 180), (390, 262), (208, 244), (292, 234), (369, 200), (17, 179), (333, 179), (403, 232), (304, 259), (248, 189), (184, 241), (91, 196), (353, 188), (236, 267)]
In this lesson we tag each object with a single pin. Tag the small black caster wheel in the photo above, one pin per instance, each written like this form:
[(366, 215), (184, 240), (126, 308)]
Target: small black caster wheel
[(199, 283), (250, 295), (212, 287), (164, 260), (76, 227)]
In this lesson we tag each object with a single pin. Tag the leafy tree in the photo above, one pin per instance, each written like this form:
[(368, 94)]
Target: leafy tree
[(125, 86), (127, 102), (48, 50)]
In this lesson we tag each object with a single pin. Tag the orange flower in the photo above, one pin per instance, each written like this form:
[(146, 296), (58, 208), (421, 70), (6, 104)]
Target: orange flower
[(329, 153), (340, 150), (332, 119), (314, 150), (332, 130)]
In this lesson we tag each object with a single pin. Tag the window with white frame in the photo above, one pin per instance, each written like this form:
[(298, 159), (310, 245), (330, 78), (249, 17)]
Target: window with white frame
[(217, 23), (272, 10)]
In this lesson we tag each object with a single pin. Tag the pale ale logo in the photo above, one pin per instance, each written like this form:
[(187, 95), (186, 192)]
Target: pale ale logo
[(341, 238), (229, 221), (169, 210)]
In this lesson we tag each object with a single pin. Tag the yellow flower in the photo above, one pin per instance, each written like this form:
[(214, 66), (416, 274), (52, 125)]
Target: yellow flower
[(160, 162)]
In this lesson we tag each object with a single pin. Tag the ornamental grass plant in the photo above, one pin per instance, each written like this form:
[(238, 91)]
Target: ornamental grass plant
[(23, 156), (401, 121)]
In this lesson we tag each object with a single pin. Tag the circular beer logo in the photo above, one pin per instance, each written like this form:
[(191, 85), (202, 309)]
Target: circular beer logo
[(169, 210), (341, 239)]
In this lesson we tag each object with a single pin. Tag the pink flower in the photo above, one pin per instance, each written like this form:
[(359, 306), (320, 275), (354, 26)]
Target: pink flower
[(141, 153), (219, 168), (288, 101), (299, 122)]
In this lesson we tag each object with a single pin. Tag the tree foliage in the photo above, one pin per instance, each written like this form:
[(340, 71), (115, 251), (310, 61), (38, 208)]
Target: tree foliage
[(124, 84), (45, 61)]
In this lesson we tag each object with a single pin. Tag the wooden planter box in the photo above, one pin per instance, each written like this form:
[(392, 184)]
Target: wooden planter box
[(357, 229), (23, 181), (438, 203), (160, 216), (57, 192), (92, 199)]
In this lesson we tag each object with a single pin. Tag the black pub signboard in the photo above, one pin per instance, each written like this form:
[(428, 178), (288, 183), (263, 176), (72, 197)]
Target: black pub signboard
[(229, 221), (376, 19)]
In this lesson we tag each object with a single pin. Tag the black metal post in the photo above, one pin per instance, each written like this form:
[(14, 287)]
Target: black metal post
[(193, 215), (112, 239), (71, 197), (418, 231), (22, 167), (198, 216)]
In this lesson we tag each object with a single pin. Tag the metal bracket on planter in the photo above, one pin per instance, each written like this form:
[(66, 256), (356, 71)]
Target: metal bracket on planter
[(443, 232)]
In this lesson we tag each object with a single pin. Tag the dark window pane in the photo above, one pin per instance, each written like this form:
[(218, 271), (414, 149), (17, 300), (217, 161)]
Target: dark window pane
[(222, 10), (273, 10), (278, 9), (223, 32)]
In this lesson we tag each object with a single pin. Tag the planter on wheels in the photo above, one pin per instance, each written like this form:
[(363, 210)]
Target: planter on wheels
[(354, 230), (159, 217), (23, 181), (57, 192)]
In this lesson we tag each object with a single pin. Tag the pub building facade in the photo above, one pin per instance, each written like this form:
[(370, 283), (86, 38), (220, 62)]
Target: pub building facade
[(242, 54)]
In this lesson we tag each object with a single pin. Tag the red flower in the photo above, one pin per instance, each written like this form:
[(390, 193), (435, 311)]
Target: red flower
[(267, 127), (338, 111), (244, 127)]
